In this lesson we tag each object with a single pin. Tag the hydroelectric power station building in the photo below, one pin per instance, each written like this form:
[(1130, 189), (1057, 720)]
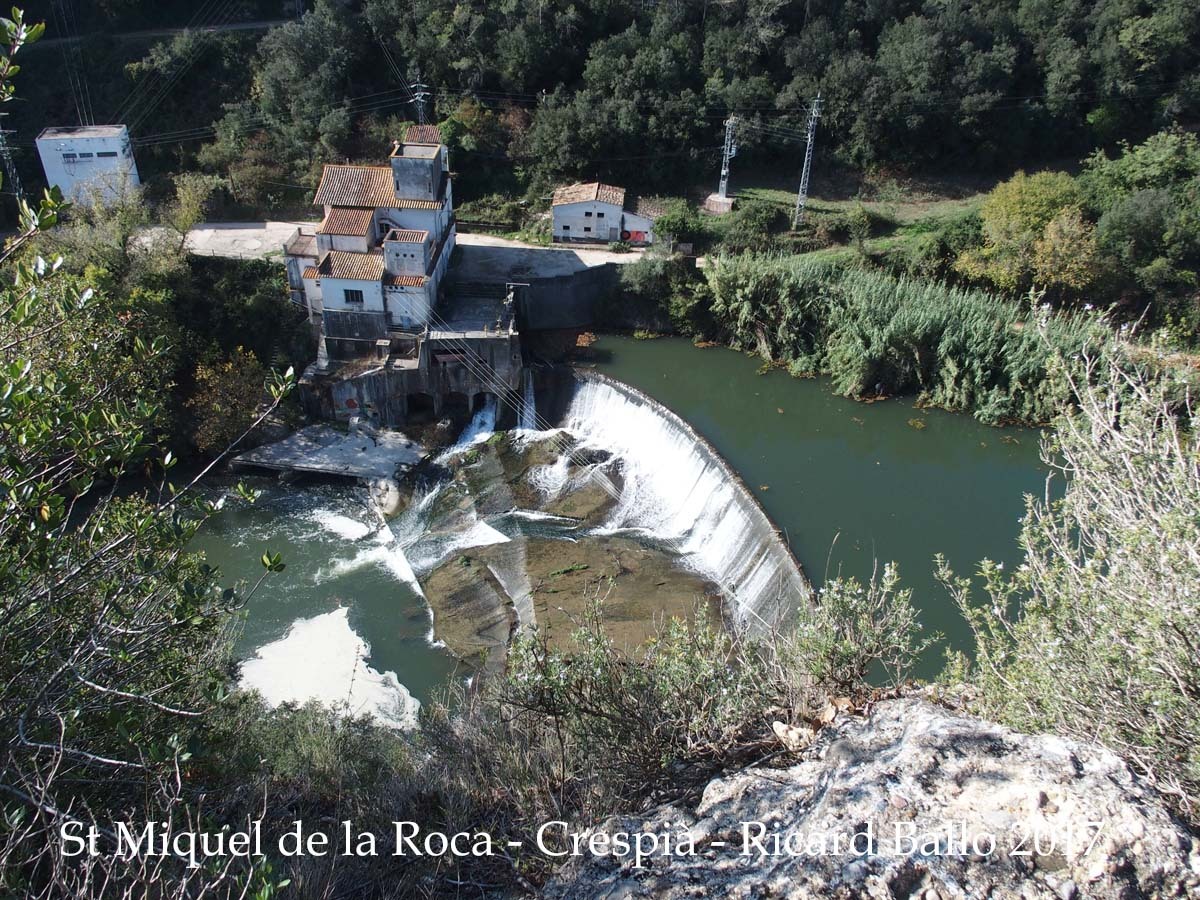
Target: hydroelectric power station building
[(395, 346)]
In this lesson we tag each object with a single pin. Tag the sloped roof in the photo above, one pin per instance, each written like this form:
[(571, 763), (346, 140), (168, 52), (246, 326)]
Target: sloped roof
[(594, 190), (649, 207), (354, 266), (344, 221), (404, 280), (423, 134), (361, 186), (407, 236), (311, 272), (412, 203)]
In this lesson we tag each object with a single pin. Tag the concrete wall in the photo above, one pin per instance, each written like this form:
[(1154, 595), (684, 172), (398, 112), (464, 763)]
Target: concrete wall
[(347, 243), (333, 294), (76, 164), (409, 306), (384, 391), (587, 221), (418, 177), (568, 301)]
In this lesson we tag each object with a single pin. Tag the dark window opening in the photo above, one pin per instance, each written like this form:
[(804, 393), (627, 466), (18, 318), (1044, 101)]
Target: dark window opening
[(585, 228), (588, 214), (599, 215), (353, 296), (107, 154)]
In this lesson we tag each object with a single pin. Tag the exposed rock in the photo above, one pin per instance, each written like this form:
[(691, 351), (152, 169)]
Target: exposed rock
[(913, 768), (472, 615)]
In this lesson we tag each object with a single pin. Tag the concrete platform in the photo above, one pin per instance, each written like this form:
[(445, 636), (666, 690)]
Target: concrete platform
[(323, 450)]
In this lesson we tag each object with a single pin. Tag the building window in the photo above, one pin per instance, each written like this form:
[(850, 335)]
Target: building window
[(85, 156), (107, 154), (566, 228), (588, 214), (68, 156), (353, 296), (599, 215), (586, 228)]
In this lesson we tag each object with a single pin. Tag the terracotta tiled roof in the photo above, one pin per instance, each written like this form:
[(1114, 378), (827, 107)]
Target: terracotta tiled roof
[(595, 190), (406, 203), (355, 222), (649, 207), (404, 280), (355, 266), (407, 236), (423, 134), (362, 186), (311, 272)]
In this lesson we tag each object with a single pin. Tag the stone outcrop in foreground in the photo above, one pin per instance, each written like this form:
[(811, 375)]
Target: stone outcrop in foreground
[(913, 768)]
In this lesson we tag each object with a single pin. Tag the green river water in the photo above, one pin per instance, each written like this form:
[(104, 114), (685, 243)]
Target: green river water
[(849, 483)]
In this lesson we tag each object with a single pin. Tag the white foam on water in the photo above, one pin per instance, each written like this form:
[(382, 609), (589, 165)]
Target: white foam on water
[(528, 420), (341, 525), (675, 489), (481, 427), (551, 479), (431, 550), (323, 659), (385, 552)]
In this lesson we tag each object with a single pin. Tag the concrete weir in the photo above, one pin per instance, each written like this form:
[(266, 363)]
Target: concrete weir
[(369, 454), (685, 492)]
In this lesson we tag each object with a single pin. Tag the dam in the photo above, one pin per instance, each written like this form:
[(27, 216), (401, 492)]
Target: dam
[(597, 491)]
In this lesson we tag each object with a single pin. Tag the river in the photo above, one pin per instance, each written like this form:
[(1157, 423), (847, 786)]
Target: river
[(849, 483)]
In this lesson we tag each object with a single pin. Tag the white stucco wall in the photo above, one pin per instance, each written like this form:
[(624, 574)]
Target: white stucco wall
[(77, 160), (573, 222), (409, 306), (333, 295)]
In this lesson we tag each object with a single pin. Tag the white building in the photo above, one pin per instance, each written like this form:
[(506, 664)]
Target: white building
[(88, 160), (601, 212), (375, 263)]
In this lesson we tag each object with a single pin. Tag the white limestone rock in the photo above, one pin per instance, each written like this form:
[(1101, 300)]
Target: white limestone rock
[(919, 768)]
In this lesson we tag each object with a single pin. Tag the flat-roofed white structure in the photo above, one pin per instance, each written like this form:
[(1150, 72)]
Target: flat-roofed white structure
[(88, 160)]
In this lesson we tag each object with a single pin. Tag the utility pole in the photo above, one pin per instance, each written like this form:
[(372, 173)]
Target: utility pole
[(730, 153), (10, 167), (802, 194), (421, 96)]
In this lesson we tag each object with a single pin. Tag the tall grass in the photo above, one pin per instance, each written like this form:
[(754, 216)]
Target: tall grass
[(875, 333)]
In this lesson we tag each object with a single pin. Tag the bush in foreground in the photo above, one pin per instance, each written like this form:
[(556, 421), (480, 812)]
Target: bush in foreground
[(1104, 645)]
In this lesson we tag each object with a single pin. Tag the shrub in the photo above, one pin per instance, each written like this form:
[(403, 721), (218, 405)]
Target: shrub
[(871, 332), (1103, 645), (1014, 217)]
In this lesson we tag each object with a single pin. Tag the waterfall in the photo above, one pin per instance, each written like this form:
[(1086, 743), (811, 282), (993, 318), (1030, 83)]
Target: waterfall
[(482, 424), (679, 489), (528, 405)]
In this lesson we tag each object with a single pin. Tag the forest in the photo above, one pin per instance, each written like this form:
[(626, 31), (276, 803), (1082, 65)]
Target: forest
[(629, 91)]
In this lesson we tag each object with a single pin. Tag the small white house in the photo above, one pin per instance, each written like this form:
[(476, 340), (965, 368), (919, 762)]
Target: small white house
[(87, 160), (601, 212)]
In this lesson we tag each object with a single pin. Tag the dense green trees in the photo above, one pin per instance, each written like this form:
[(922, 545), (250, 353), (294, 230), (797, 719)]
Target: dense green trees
[(637, 93)]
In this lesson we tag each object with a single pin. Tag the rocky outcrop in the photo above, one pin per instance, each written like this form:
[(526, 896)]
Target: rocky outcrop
[(943, 806)]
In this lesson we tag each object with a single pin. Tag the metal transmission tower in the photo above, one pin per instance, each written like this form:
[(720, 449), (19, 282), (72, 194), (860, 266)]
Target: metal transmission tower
[(802, 194), (421, 97), (730, 153), (10, 167)]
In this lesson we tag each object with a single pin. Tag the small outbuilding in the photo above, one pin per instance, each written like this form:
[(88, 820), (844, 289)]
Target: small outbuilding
[(87, 162), (602, 212)]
